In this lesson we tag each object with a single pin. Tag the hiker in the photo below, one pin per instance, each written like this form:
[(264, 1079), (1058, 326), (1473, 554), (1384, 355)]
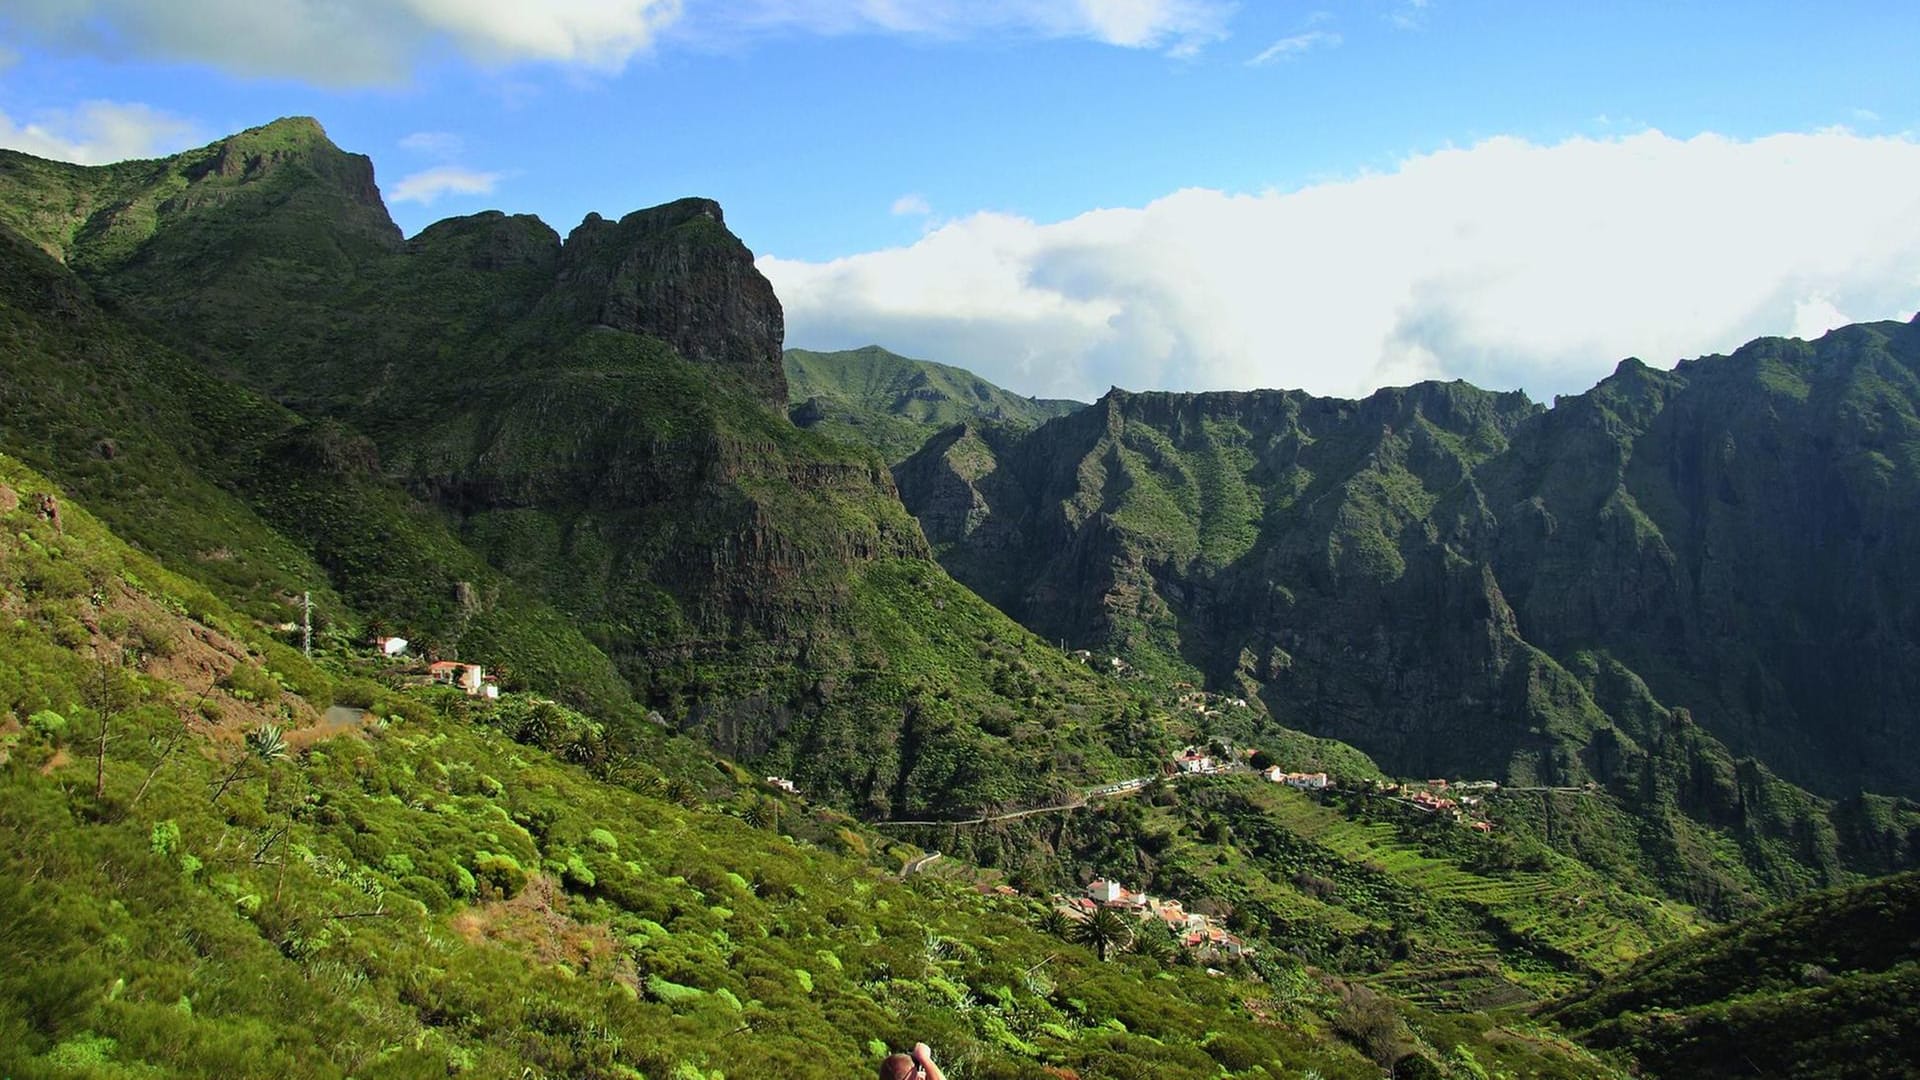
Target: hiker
[(915, 1066)]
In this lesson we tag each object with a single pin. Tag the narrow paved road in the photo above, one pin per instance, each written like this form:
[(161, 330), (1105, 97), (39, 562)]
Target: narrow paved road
[(1104, 791), (917, 865)]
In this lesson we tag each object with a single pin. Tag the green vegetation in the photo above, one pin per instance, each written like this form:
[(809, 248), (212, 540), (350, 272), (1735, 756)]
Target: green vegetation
[(234, 384), (886, 401), (1823, 987), (497, 889), (1462, 584)]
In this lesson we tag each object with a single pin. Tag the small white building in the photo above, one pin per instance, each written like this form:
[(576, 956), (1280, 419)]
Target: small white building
[(471, 678), (784, 784), (390, 646), (1106, 892)]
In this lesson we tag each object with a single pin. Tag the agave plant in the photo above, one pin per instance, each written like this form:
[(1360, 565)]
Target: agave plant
[(268, 743), (265, 744)]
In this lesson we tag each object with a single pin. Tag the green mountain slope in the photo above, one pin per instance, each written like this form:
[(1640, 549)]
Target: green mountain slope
[(205, 876), (251, 499), (483, 426), (1396, 573), (895, 404), (1824, 987)]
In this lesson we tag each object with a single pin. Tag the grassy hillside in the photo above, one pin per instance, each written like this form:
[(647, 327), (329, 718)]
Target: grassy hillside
[(893, 403), (1823, 987), (204, 875)]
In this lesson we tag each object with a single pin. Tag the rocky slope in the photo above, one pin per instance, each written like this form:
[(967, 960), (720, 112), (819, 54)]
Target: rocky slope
[(1681, 586), (1417, 571)]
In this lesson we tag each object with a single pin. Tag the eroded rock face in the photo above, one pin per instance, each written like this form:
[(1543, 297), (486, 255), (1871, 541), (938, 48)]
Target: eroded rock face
[(675, 272), (1436, 573)]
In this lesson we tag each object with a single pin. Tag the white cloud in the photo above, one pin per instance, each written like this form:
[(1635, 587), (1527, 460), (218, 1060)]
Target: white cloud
[(1507, 263), (346, 42), (1289, 47), (438, 144), (360, 42), (428, 186), (1180, 26), (95, 132), (911, 206)]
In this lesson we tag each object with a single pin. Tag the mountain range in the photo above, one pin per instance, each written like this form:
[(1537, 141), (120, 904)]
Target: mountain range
[(1668, 615)]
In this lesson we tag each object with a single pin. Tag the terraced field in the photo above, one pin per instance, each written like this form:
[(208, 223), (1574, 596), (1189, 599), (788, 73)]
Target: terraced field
[(1486, 920)]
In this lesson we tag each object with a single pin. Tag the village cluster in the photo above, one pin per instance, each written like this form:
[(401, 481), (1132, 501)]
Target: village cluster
[(1461, 801), (1193, 930)]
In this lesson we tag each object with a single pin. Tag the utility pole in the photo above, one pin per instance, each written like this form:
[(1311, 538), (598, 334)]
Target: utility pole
[(306, 624)]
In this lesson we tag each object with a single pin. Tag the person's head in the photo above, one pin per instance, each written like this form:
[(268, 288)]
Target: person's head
[(899, 1067)]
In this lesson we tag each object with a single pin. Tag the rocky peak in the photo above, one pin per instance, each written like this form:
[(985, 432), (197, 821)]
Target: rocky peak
[(675, 272), (261, 152)]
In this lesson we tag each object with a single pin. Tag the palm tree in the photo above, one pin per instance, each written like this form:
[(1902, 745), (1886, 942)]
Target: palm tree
[(761, 814), (1054, 923), (1104, 932), (1155, 943)]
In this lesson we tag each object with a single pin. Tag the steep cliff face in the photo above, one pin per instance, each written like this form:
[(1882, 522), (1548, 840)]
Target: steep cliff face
[(674, 272), (1424, 573)]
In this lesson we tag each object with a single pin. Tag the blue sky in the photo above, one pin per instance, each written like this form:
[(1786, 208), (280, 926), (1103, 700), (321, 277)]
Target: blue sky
[(860, 144)]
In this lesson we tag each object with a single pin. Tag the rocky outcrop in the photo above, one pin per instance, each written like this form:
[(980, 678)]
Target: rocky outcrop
[(675, 272)]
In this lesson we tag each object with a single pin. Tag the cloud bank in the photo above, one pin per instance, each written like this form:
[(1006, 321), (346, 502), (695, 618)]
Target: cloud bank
[(96, 132), (346, 42), (1507, 263), (361, 42)]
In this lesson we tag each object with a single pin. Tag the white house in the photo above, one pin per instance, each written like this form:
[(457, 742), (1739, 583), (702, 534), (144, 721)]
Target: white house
[(1106, 892), (390, 646), (471, 678)]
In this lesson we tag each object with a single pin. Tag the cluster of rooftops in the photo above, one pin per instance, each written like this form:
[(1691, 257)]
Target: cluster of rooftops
[(1198, 932)]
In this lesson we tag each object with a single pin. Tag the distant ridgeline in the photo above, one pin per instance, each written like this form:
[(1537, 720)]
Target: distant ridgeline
[(587, 462), (895, 404), (1685, 585)]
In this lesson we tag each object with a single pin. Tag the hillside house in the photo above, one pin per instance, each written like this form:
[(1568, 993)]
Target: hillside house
[(1194, 762), (471, 678), (391, 646), (784, 784), (1304, 781)]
